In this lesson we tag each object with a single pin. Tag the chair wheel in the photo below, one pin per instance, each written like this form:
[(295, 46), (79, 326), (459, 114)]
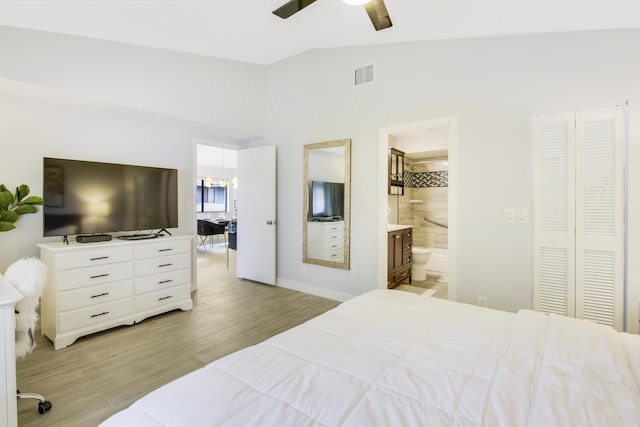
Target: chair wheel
[(44, 406)]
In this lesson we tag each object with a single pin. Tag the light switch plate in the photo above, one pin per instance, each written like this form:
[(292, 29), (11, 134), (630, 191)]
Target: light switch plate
[(521, 215), (509, 215)]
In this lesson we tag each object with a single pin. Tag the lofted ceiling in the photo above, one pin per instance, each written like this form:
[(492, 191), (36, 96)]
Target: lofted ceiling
[(246, 30)]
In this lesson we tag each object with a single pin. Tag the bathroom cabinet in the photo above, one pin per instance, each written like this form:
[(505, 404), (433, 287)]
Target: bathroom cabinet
[(396, 172), (399, 256)]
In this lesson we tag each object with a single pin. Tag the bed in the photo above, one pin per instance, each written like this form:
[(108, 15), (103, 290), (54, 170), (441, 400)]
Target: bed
[(390, 358)]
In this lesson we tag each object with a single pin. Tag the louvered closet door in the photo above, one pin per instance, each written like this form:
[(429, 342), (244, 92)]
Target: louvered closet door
[(554, 214), (578, 177), (600, 216)]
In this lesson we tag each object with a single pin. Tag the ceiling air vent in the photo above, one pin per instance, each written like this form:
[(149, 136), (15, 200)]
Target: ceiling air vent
[(363, 75)]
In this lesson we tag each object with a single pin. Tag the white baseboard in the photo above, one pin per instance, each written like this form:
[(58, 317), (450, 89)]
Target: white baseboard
[(313, 290)]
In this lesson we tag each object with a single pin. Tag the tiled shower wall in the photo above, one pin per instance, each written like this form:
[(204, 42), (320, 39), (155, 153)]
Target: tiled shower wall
[(425, 195)]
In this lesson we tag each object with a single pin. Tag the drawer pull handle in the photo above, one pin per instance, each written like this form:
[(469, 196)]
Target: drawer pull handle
[(99, 258), (334, 246), (397, 236), (100, 314), (100, 275), (165, 250), (165, 265), (165, 281), (100, 295), (167, 297)]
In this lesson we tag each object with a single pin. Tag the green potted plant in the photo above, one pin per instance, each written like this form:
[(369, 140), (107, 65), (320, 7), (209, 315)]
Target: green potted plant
[(13, 205)]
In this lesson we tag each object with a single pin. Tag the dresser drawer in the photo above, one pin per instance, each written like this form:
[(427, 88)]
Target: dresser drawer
[(402, 275), (167, 247), (162, 280), (333, 227), (91, 257), (162, 264), (335, 236), (333, 245), (162, 297), (88, 276), (88, 316), (92, 295), (335, 255)]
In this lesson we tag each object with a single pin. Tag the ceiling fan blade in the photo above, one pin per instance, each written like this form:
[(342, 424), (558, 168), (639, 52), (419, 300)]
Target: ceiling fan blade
[(291, 7), (378, 14)]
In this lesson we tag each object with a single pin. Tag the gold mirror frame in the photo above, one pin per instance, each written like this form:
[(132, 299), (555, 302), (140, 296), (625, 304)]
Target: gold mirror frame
[(309, 254)]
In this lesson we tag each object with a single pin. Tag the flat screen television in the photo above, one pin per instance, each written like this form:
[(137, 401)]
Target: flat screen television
[(84, 197), (326, 200)]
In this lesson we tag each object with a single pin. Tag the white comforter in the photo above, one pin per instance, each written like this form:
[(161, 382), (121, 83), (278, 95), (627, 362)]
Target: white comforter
[(390, 358)]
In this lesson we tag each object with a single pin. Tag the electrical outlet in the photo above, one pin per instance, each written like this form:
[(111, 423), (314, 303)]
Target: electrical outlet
[(482, 301)]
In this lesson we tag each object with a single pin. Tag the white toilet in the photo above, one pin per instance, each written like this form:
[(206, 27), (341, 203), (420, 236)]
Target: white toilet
[(419, 258)]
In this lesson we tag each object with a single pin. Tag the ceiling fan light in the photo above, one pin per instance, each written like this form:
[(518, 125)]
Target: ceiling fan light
[(356, 2)]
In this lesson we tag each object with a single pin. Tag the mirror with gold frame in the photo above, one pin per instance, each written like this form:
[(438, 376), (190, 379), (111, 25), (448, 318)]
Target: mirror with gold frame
[(326, 221)]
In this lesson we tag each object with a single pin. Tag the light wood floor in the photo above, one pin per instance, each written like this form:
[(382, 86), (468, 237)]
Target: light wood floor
[(434, 281), (103, 373)]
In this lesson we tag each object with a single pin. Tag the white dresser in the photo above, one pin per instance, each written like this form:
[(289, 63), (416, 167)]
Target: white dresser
[(9, 296), (97, 286), (325, 240)]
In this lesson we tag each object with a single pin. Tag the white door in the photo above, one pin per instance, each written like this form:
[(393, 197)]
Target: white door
[(579, 200), (600, 216), (554, 214), (256, 257)]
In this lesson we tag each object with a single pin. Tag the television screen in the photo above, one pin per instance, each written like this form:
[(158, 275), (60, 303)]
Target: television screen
[(82, 197), (326, 200)]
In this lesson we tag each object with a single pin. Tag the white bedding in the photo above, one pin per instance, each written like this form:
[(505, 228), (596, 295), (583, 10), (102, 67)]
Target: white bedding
[(390, 358)]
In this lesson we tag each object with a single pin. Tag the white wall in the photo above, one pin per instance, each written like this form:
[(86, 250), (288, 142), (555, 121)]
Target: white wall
[(325, 166), (494, 86), (223, 97)]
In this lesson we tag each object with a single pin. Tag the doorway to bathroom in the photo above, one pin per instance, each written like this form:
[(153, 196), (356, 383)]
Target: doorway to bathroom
[(427, 202)]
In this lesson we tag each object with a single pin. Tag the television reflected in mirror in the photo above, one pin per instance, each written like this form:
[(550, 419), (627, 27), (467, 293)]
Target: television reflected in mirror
[(86, 197), (326, 201)]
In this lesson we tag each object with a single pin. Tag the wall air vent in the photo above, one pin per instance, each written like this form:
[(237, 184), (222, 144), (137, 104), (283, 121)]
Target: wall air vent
[(363, 75)]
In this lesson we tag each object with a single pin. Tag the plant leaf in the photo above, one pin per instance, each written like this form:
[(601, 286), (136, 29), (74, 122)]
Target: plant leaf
[(5, 200), (6, 226), (22, 192), (31, 200), (9, 216), (25, 209)]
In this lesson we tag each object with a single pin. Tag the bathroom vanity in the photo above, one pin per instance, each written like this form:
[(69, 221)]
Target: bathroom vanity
[(399, 254)]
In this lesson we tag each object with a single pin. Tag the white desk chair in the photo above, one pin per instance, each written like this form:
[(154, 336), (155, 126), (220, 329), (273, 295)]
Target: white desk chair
[(28, 276)]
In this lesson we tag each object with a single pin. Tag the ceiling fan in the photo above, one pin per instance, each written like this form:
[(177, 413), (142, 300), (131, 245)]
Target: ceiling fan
[(376, 10)]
